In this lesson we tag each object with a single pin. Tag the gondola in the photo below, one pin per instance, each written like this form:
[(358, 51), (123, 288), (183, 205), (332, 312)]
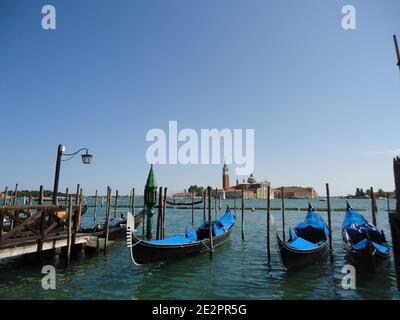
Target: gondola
[(365, 244), (182, 203), (194, 242), (307, 243), (117, 226)]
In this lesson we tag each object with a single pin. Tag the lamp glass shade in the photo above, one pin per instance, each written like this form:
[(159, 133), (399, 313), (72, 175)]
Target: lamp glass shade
[(87, 158)]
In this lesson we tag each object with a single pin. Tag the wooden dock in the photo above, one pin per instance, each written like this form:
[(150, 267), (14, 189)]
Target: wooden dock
[(53, 229), (28, 246)]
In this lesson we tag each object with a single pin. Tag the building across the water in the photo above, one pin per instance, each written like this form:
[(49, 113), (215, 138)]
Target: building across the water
[(182, 195), (251, 189), (295, 192)]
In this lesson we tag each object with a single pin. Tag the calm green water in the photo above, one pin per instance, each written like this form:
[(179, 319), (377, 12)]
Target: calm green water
[(239, 269)]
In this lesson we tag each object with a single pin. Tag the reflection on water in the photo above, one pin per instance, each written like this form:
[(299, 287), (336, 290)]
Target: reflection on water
[(238, 269)]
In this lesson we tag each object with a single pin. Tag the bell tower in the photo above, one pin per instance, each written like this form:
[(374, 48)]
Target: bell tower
[(225, 177)]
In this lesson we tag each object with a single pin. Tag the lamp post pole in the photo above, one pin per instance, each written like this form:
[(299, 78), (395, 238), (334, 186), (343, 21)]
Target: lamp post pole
[(57, 174), (86, 159)]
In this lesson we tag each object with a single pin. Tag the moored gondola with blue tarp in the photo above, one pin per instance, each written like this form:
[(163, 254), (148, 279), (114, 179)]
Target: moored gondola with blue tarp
[(307, 243), (195, 241), (365, 244)]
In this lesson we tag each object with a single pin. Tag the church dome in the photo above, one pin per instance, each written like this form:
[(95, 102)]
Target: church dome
[(251, 179)]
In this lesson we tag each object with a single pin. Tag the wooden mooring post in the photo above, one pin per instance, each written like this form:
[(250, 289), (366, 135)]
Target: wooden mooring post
[(95, 206), (144, 223), (192, 209), (211, 248), (242, 222), (116, 204), (234, 201), (204, 204), (328, 202), (133, 201), (283, 214), (160, 207), (69, 230), (77, 213), (42, 220), (107, 227), (2, 214), (394, 220), (78, 188), (268, 222), (373, 207), (13, 201), (5, 196), (66, 198), (215, 203), (163, 213), (80, 207), (15, 195)]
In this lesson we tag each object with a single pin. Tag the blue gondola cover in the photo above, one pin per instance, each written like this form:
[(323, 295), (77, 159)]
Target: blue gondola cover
[(359, 231), (191, 233), (314, 221), (219, 227), (302, 244), (309, 233)]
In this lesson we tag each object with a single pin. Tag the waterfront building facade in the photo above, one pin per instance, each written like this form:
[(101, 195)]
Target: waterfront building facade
[(251, 189), (295, 192)]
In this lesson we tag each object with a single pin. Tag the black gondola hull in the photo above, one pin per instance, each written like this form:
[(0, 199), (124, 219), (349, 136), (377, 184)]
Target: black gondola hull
[(143, 252), (367, 259), (292, 259)]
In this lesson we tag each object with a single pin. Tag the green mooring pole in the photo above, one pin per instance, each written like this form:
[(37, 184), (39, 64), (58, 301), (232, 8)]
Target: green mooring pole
[(150, 200)]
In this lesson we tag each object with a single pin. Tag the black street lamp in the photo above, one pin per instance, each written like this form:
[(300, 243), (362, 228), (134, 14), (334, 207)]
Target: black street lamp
[(86, 159)]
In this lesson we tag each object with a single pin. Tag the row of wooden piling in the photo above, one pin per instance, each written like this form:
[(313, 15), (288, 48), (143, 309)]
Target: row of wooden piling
[(162, 201), (73, 226)]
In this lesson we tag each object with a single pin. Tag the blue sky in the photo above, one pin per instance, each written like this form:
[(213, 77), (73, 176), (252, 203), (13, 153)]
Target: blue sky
[(323, 101)]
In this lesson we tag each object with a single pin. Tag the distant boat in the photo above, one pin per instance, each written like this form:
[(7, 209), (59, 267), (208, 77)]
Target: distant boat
[(366, 245), (184, 203), (194, 242), (307, 243)]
